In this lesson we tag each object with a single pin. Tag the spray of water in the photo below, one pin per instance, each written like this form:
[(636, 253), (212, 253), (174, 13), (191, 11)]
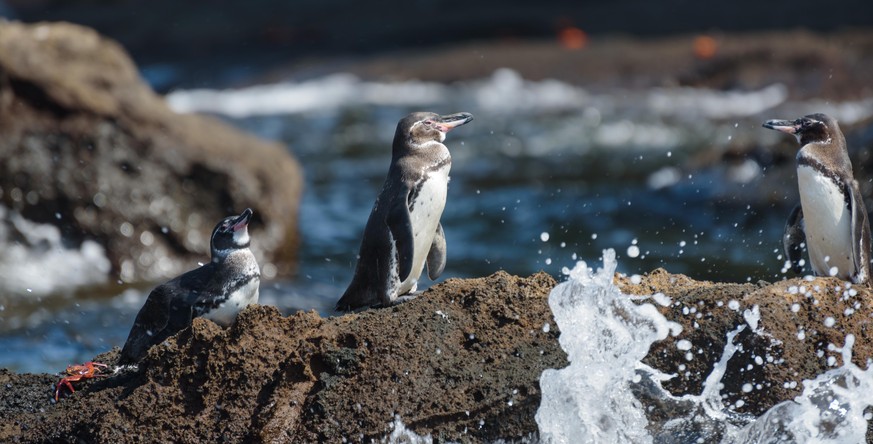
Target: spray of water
[(606, 334)]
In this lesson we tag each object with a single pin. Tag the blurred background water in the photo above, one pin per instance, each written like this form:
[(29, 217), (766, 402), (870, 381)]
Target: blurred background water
[(549, 171)]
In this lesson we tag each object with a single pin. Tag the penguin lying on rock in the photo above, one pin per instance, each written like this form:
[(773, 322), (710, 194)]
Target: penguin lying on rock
[(216, 291), (831, 218), (404, 231)]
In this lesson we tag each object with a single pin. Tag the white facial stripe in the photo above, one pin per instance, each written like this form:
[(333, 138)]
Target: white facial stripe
[(421, 122), (241, 237), (428, 144)]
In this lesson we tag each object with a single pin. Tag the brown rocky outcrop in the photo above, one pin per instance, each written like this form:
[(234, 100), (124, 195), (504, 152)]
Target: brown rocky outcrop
[(461, 363), (799, 320), (87, 146)]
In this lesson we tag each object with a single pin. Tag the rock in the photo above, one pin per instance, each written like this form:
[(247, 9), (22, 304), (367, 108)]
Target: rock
[(791, 330), (278, 31), (460, 362), (89, 148)]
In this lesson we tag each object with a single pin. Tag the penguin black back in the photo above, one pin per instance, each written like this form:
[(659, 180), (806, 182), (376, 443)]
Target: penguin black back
[(231, 276)]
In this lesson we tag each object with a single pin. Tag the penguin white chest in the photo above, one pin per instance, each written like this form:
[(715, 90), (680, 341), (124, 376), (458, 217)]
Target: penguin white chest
[(426, 209), (226, 312), (243, 264), (827, 223)]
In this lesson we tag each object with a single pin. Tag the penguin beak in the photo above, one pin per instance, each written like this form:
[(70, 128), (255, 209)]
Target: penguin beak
[(786, 126), (242, 221), (448, 122)]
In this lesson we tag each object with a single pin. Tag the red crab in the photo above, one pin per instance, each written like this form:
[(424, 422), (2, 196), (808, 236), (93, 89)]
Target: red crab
[(76, 372)]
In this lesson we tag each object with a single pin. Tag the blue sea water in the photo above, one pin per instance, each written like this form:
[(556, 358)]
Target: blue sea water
[(546, 174)]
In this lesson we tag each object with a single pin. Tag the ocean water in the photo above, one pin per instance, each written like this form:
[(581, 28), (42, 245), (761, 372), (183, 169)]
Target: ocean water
[(546, 175)]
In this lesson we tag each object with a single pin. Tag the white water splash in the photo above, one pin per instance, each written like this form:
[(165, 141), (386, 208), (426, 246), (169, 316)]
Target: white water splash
[(34, 259), (606, 335), (401, 434), (830, 409), (326, 93), (716, 104), (507, 92)]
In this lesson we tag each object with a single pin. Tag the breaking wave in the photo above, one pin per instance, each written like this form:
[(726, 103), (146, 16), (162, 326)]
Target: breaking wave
[(35, 260), (505, 91)]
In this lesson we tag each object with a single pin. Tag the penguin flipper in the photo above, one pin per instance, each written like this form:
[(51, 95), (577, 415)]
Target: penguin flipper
[(400, 226), (436, 257), (793, 237), (860, 233), (153, 324)]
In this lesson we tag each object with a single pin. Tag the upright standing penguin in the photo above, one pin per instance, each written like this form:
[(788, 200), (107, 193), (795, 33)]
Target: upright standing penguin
[(404, 229), (831, 217), (217, 291)]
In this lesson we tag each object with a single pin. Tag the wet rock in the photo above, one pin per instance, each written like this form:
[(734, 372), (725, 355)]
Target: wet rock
[(461, 362), (791, 330), (89, 148)]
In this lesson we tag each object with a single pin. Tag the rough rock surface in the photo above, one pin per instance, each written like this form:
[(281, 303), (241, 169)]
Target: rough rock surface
[(799, 322), (84, 140), (461, 363)]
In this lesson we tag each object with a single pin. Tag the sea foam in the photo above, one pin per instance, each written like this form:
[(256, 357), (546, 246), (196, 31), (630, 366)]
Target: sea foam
[(35, 260), (505, 91)]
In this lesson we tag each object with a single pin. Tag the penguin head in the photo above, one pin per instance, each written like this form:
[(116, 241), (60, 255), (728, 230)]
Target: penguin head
[(808, 129), (417, 130), (230, 234)]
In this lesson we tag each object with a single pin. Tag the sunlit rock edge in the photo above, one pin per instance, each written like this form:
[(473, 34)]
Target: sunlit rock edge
[(462, 362)]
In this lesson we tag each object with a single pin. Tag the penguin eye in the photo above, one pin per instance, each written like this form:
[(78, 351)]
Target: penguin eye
[(428, 122)]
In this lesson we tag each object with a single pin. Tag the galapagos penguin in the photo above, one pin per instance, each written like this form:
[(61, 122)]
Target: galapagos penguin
[(403, 231), (217, 291), (831, 218)]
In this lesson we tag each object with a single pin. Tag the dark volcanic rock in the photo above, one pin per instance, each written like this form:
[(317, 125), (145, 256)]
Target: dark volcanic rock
[(86, 144), (448, 363)]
